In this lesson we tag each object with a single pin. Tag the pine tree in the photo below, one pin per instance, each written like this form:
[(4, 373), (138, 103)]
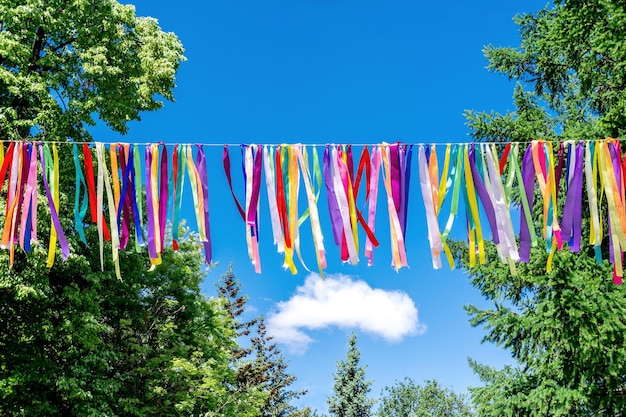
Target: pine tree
[(259, 363), (229, 289), (271, 364), (351, 388)]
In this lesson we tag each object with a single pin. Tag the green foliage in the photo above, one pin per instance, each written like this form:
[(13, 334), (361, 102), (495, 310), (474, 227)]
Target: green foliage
[(565, 328), (79, 342), (351, 388), (75, 340), (408, 399), (259, 363), (62, 61)]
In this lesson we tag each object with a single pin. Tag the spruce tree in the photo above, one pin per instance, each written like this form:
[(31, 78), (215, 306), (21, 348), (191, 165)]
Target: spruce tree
[(564, 327), (351, 388), (258, 360)]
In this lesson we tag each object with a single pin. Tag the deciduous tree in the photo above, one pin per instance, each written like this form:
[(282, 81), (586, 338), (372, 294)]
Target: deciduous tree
[(75, 340), (62, 62), (408, 399)]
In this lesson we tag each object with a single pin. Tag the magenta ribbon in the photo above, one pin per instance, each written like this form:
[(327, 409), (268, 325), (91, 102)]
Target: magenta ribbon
[(405, 181), (528, 175), (616, 163), (202, 173), (24, 181), (394, 156), (65, 250), (163, 196), (333, 206), (403, 195), (350, 164), (256, 188), (29, 207), (571, 222)]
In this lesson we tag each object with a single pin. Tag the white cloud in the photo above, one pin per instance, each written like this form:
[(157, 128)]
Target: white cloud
[(345, 303)]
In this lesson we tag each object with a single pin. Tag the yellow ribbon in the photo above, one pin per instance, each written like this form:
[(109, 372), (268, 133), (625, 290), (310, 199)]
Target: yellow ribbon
[(115, 239), (444, 187), (196, 192), (115, 174), (610, 190), (476, 234), (54, 189), (292, 209)]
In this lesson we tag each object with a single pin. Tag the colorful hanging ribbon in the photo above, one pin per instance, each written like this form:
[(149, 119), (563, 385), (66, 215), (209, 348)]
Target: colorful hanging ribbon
[(312, 197), (398, 250), (477, 172)]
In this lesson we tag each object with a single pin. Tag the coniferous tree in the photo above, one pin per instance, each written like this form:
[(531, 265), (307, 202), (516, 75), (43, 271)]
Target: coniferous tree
[(564, 327), (271, 363), (351, 388), (260, 362), (229, 289)]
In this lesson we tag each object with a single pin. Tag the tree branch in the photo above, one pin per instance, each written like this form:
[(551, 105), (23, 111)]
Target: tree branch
[(37, 47), (62, 45)]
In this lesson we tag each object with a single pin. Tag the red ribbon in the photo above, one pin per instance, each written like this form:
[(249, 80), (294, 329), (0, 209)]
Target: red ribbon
[(91, 185)]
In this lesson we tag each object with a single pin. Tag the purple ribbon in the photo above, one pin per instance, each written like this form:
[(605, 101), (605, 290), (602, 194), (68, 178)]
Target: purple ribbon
[(333, 206), (571, 222), (484, 196), (617, 165), (122, 224), (201, 166), (130, 201), (528, 176), (256, 187), (65, 250)]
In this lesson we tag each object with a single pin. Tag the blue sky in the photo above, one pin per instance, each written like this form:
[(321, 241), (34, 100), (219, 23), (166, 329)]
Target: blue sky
[(340, 71)]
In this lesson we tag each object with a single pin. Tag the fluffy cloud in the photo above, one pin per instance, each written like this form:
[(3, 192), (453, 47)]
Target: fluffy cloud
[(345, 303)]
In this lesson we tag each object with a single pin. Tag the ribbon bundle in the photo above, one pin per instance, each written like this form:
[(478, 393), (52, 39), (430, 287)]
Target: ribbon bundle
[(480, 174), (479, 179)]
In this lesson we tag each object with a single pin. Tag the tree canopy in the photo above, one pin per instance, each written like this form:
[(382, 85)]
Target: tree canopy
[(64, 62), (409, 399), (75, 340)]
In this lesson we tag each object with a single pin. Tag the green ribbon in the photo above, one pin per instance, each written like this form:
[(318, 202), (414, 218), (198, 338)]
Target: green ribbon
[(80, 212)]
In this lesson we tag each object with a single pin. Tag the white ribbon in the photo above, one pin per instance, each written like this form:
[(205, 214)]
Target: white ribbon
[(434, 237)]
